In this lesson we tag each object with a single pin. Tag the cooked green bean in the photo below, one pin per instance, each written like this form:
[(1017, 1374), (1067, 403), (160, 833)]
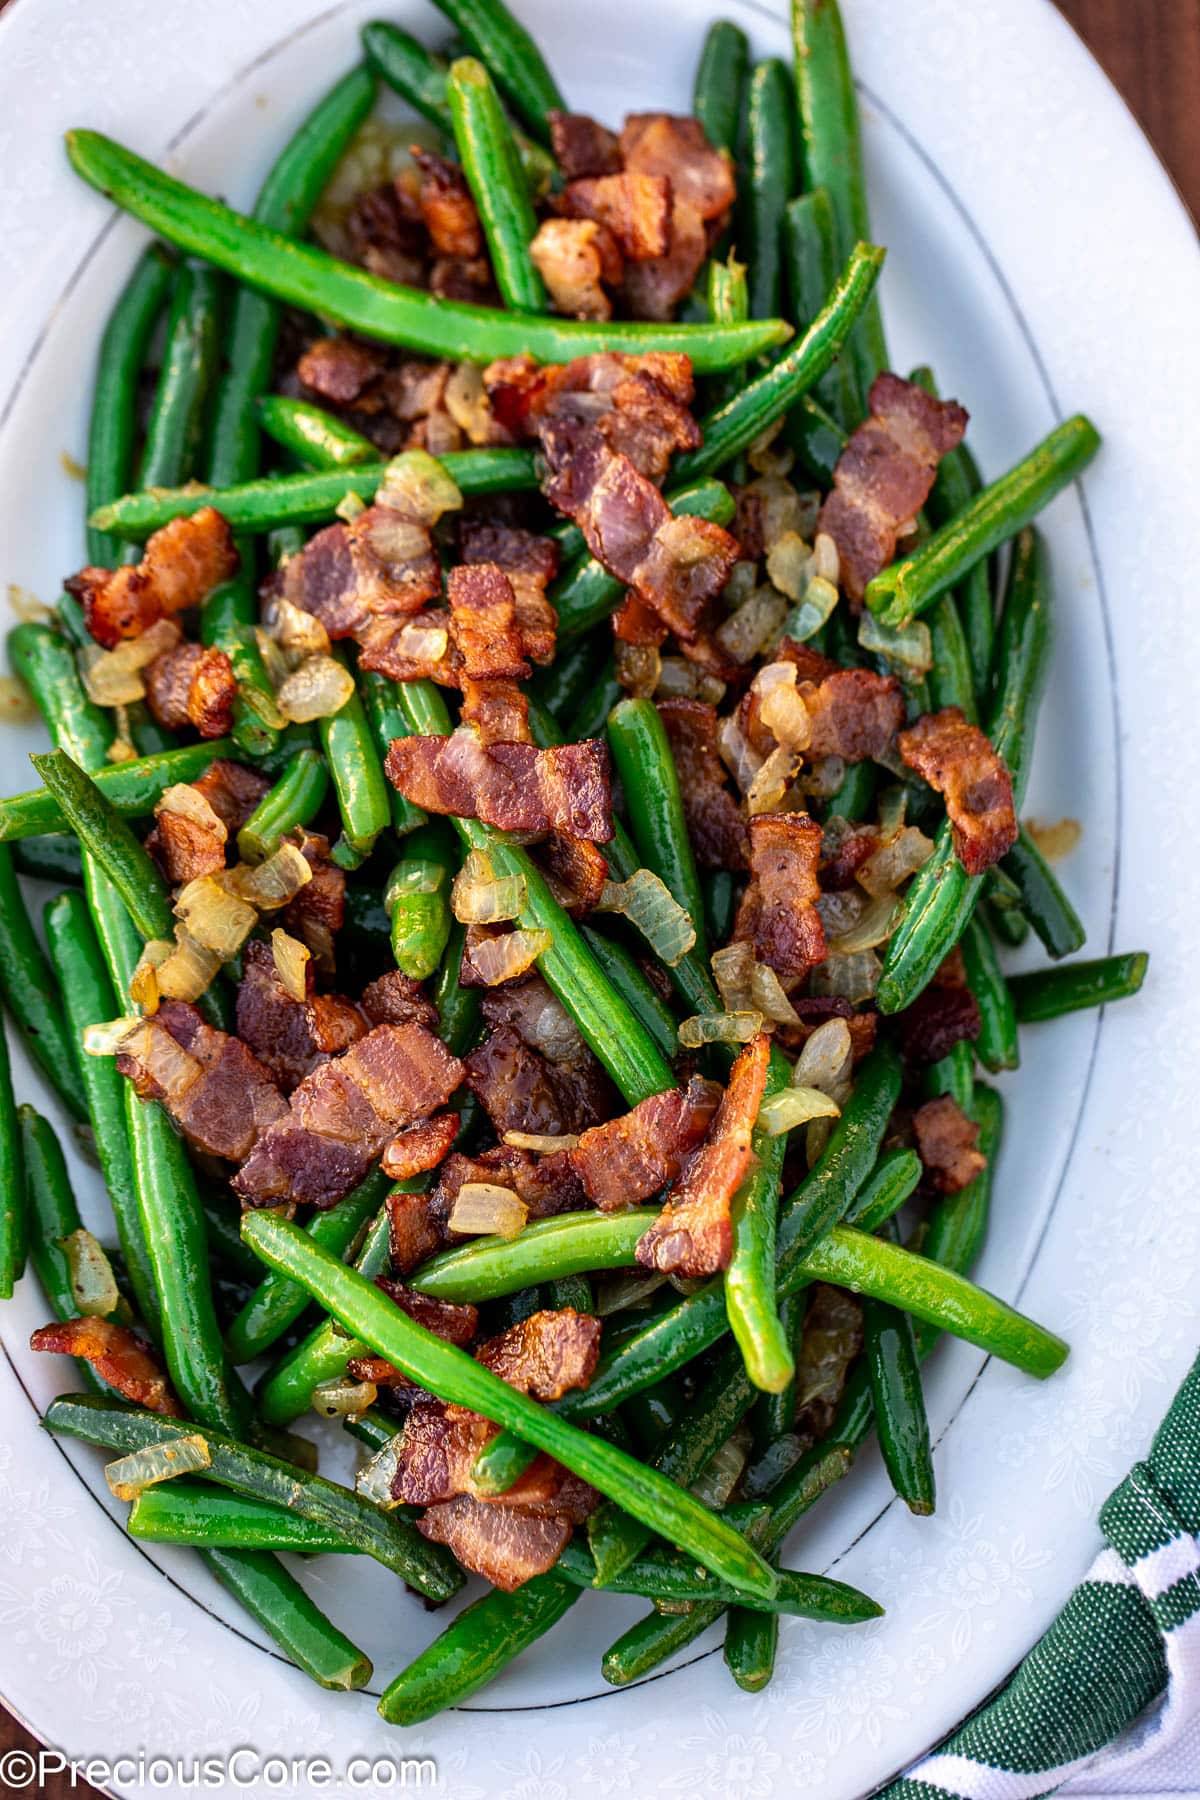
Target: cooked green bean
[(131, 788), (624, 975), (314, 436), (1007, 924), (956, 1225), (1043, 901), (283, 1609), (951, 681), (112, 431), (14, 1203), (303, 276), (109, 838), (1050, 993), (381, 697), (953, 1074), (487, 151), (545, 1250), (955, 484), (728, 302), (720, 903), (359, 784), (295, 800), (830, 1188), (893, 1179), (662, 1575), (187, 1512), (996, 1045), (417, 898), (810, 265), (51, 1215), (769, 179), (750, 1278), (645, 764), (175, 426), (999, 510), (507, 49), (54, 859), (899, 1401), (31, 994), (717, 95)]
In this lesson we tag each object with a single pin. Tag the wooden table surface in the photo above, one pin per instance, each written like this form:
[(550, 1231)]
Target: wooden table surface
[(1151, 51)]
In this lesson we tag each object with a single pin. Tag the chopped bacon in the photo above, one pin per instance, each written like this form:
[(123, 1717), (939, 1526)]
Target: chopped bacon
[(692, 1235), (957, 759), (635, 623), (385, 233), (224, 1102), (339, 368), (483, 618), (937, 1019), (498, 710), (396, 999), (530, 563), (716, 825), (185, 847), (546, 1354), (320, 579), (319, 909), (416, 1228), (451, 1320), (582, 146), (514, 786), (421, 1147), (118, 1355), (415, 388), (181, 563), (521, 1090), (634, 209), (416, 648), (946, 1143), (395, 564), (654, 289), (192, 685), (576, 870), (638, 404), (232, 790), (290, 1037), (777, 913), (631, 1157), (575, 257), (462, 278), (505, 1544), (883, 476), (852, 713), (343, 1113), (659, 144), (447, 208), (538, 1017)]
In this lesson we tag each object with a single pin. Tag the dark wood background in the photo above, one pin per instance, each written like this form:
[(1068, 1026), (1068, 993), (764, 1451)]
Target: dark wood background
[(1151, 51)]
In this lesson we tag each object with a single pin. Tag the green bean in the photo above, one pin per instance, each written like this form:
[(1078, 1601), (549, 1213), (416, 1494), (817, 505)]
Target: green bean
[(907, 587), (46, 664), (54, 859), (572, 1291), (417, 898), (227, 622), (996, 1046), (475, 1646), (717, 95), (381, 697), (546, 1250), (751, 1640), (359, 784), (625, 976), (283, 1609), (1050, 993), (589, 717), (750, 1278), (131, 788), (827, 1192), (269, 501), (372, 1428), (113, 428), (728, 303), (720, 903), (51, 1215), (951, 680), (811, 263), (303, 276), (646, 767), (187, 1512), (893, 1179), (31, 994), (392, 1541), (769, 179), (953, 1074), (109, 838), (176, 423), (564, 686), (832, 150), (14, 1201), (1007, 924), (487, 151), (315, 437), (955, 1229), (458, 1007), (734, 426), (1043, 901), (277, 1303), (88, 997), (774, 1414), (587, 594), (295, 800), (817, 439), (457, 1377), (507, 49), (899, 1402), (956, 482), (663, 1575), (856, 795)]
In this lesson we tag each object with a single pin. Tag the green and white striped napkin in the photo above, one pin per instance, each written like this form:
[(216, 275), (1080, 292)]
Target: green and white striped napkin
[(1129, 1633)]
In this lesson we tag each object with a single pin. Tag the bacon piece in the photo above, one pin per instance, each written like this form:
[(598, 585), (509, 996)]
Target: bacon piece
[(463, 278), (186, 848), (191, 685), (946, 1143), (396, 999), (415, 388), (882, 478), (498, 710), (546, 1354), (530, 562), (342, 1114), (777, 913), (716, 825), (538, 1017), (675, 147), (576, 871), (339, 368), (582, 146), (395, 564), (635, 209), (514, 786), (232, 790), (447, 207), (483, 618), (400, 648), (957, 759), (638, 404), (317, 912), (852, 713), (692, 1235), (630, 1158), (225, 1103), (119, 1356), (506, 1545), (321, 580), (416, 1228), (290, 1037), (937, 1019), (521, 1090), (181, 563), (421, 1147), (454, 1321), (385, 233), (575, 257), (654, 289)]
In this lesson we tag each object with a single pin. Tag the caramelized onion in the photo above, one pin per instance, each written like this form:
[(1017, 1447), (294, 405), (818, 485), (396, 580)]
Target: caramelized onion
[(131, 1475), (417, 485), (792, 1106), (93, 1285), (508, 955), (645, 901), (719, 1028), (216, 919), (481, 897), (291, 964), (484, 1209), (319, 688)]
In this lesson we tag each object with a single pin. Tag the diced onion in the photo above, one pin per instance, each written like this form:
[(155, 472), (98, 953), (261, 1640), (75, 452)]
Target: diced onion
[(144, 990), (319, 688), (349, 507), (511, 953), (1057, 840), (807, 618), (131, 1475), (874, 926), (374, 1480), (794, 1106), (343, 1398), (757, 622), (648, 905), (122, 749), (113, 677), (826, 1060), (188, 970), (908, 648), (723, 1471), (747, 985), (417, 485), (277, 665), (28, 608), (893, 810), (291, 964), (768, 997), (481, 897), (297, 632), (781, 508), (217, 920), (162, 1060), (780, 707), (893, 863), (766, 791), (719, 1028), (638, 668), (823, 777), (423, 643), (541, 1143), (465, 399), (187, 802), (854, 978), (767, 456), (484, 1209), (93, 1285), (680, 679), (270, 884), (737, 752), (106, 1038), (788, 562)]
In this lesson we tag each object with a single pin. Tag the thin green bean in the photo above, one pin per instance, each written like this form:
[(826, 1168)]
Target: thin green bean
[(1051, 993)]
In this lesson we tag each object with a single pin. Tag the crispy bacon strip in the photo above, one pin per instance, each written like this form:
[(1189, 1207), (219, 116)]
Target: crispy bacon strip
[(290, 1037), (181, 563), (653, 289), (631, 1157), (321, 580), (421, 1147), (530, 562), (692, 1234), (192, 685), (946, 1143), (416, 1228), (715, 822), (483, 618), (575, 258), (342, 1114), (522, 1090), (883, 476), (638, 404), (119, 1356), (339, 368), (395, 564), (634, 209), (582, 146), (506, 1545), (853, 713), (677, 149), (512, 785), (396, 999), (218, 1093), (957, 759), (545, 1354), (777, 913)]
